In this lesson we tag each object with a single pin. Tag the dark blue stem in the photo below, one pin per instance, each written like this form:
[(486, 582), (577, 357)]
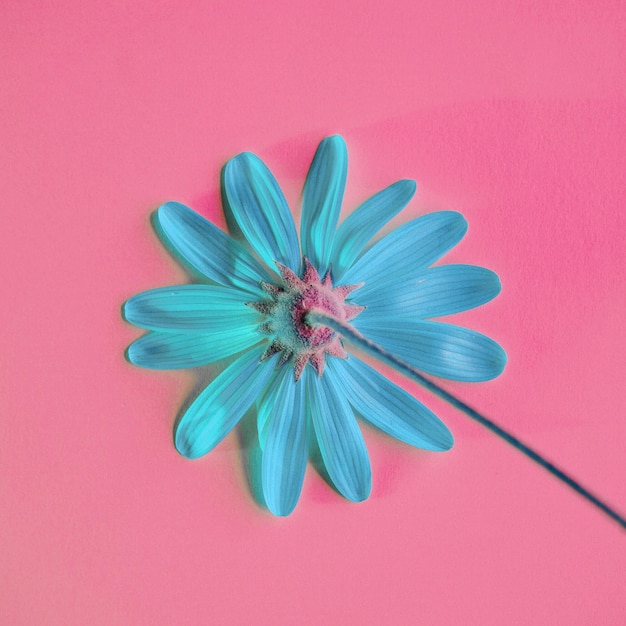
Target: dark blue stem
[(352, 335)]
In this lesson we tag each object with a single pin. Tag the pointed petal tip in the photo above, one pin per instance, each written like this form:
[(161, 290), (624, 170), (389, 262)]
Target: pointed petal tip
[(183, 445), (336, 139), (461, 220), (244, 156), (133, 354), (497, 284), (446, 441), (499, 360), (166, 206), (124, 311), (236, 165), (169, 217), (337, 147), (169, 209), (496, 365), (362, 493), (281, 509), (127, 355), (409, 186), (502, 359), (456, 218), (162, 214)]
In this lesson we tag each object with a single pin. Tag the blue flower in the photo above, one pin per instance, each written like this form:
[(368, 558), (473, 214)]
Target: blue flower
[(255, 301)]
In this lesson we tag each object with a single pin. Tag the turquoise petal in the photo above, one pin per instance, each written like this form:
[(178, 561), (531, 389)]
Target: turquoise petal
[(261, 210), (285, 451), (388, 407), (215, 412), (191, 308), (208, 250), (340, 440), (265, 403), (407, 250), (363, 223), (170, 351), (439, 349), (433, 292), (321, 203)]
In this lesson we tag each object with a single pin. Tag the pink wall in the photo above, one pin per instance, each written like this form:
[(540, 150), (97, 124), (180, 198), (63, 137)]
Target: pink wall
[(513, 113)]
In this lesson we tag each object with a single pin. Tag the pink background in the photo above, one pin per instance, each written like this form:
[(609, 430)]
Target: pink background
[(512, 114)]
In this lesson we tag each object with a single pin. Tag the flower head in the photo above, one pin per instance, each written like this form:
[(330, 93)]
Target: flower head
[(292, 335), (255, 302)]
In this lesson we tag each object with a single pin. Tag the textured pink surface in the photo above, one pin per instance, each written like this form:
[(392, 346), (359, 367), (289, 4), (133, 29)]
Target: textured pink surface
[(513, 113)]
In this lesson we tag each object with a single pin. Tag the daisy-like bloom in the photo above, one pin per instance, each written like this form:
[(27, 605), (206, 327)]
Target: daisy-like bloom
[(256, 302)]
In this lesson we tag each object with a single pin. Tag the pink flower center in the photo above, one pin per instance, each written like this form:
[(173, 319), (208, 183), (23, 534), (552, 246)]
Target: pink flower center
[(287, 311)]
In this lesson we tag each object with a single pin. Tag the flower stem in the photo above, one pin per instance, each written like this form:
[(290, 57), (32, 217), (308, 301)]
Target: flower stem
[(355, 337)]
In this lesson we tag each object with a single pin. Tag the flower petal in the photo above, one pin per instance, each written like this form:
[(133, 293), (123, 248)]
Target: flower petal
[(214, 413), (261, 210), (208, 250), (265, 403), (340, 440), (435, 291), (321, 203), (443, 350), (191, 308), (365, 221), (407, 250), (170, 351), (285, 452), (388, 407)]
